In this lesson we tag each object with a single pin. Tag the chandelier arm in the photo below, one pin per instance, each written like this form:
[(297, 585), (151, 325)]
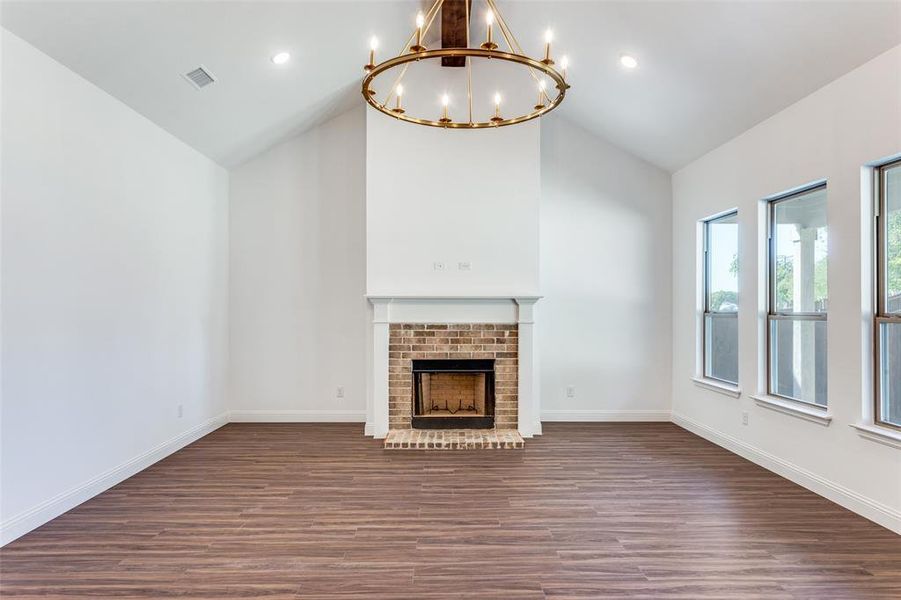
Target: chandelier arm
[(395, 84), (469, 85), (505, 31), (429, 18), (468, 62), (509, 37)]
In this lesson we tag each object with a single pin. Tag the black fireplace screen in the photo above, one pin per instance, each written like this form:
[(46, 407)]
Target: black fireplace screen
[(453, 394)]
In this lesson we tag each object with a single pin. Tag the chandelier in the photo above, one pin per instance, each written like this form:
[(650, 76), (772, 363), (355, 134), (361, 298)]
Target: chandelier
[(543, 72)]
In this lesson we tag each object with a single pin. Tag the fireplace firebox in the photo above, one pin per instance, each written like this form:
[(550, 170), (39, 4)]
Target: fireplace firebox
[(453, 394)]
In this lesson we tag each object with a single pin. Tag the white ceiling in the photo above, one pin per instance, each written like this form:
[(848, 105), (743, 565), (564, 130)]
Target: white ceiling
[(708, 70)]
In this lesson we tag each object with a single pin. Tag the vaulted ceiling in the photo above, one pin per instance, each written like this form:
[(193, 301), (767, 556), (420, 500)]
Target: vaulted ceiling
[(707, 70)]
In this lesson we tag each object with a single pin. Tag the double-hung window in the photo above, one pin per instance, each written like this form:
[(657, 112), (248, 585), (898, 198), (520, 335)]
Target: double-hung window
[(721, 298), (797, 298), (888, 296)]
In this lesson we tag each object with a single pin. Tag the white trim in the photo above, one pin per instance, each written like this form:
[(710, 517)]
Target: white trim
[(605, 415), (866, 507), (717, 386), (795, 409), (33, 518), (297, 416), (531, 298), (881, 435)]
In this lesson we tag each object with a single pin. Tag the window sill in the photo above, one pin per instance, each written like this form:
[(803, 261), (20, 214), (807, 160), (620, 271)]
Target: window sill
[(877, 434), (717, 386), (795, 409)]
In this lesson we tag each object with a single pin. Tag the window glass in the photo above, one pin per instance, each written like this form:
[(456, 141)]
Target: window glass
[(721, 347), (721, 298), (722, 264), (893, 239), (800, 244), (798, 263), (888, 309), (798, 367), (890, 373)]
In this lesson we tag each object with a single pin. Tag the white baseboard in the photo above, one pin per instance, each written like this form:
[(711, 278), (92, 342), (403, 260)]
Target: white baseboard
[(297, 416), (22, 523), (866, 507), (605, 415)]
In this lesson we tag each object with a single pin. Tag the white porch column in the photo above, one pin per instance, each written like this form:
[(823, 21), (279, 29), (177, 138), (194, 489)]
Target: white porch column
[(380, 336), (804, 294), (529, 401)]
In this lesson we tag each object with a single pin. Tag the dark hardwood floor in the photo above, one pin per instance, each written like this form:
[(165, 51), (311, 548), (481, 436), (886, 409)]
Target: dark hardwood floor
[(614, 510)]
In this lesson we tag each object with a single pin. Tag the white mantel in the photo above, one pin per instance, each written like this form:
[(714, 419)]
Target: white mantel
[(453, 309)]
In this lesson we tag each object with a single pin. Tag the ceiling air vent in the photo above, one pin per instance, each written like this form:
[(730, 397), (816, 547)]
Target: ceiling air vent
[(200, 77)]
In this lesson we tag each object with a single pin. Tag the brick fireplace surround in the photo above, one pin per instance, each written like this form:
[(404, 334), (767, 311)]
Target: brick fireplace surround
[(409, 341), (407, 328)]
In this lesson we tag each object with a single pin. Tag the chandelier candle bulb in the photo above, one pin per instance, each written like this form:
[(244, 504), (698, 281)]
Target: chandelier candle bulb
[(489, 43), (564, 63), (541, 94), (399, 91), (445, 100), (497, 109), (420, 22), (548, 38), (373, 46)]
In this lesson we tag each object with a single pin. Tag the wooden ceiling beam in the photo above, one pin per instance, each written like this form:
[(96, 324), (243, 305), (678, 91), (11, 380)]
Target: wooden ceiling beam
[(453, 29)]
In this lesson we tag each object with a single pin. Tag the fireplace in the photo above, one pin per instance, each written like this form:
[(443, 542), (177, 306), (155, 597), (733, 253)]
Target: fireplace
[(470, 360), (453, 394)]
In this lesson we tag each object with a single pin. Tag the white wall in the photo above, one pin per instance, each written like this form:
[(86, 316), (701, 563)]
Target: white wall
[(298, 313), (435, 195), (605, 321), (299, 320), (114, 275), (831, 134)]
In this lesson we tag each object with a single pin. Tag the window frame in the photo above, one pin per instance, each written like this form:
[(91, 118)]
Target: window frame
[(771, 313), (880, 312), (705, 290)]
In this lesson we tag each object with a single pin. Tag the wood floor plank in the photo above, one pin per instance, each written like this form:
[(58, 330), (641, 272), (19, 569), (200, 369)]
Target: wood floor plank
[(589, 510)]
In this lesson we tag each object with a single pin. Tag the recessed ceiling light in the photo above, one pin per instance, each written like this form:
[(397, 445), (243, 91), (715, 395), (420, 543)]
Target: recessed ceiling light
[(627, 61), (281, 58)]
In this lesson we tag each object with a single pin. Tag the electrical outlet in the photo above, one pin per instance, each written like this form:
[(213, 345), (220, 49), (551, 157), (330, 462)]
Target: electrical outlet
[(464, 266), (439, 266), (570, 391), (181, 410), (744, 418), (339, 393)]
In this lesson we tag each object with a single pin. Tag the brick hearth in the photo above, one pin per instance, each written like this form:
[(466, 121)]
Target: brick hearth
[(453, 439)]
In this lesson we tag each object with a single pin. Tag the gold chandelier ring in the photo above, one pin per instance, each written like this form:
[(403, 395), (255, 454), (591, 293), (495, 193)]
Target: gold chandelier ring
[(410, 57)]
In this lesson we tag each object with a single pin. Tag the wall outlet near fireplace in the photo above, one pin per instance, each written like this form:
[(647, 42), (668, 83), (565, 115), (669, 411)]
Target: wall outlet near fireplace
[(181, 410), (439, 266), (570, 391), (339, 392), (744, 418)]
